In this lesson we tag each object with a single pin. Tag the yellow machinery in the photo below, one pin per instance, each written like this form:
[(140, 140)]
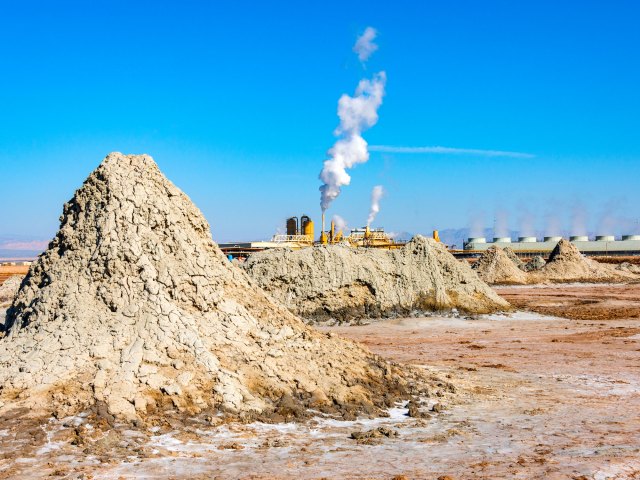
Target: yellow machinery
[(301, 234), (436, 236)]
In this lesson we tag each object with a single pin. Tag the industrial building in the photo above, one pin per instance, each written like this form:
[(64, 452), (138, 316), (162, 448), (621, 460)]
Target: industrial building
[(600, 245)]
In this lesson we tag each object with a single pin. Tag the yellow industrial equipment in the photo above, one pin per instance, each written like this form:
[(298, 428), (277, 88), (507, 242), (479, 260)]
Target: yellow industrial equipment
[(436, 236), (307, 227), (301, 234)]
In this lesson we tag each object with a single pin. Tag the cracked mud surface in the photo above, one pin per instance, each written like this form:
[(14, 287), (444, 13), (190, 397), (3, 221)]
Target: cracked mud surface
[(536, 397)]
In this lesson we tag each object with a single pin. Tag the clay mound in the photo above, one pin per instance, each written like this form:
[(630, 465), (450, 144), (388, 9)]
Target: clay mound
[(567, 264), (496, 268), (9, 288), (536, 263), (508, 251), (347, 283), (134, 310)]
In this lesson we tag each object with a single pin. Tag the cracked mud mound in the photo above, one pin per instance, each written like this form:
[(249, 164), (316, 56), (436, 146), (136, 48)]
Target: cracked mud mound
[(9, 288), (567, 264), (133, 310), (497, 267), (344, 283)]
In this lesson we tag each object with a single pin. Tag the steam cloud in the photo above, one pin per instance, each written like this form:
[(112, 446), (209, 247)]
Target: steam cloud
[(501, 226), (340, 223), (579, 219), (356, 114), (376, 195), (527, 222), (364, 46)]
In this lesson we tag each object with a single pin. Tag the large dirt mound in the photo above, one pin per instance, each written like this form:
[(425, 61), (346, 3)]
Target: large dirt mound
[(133, 309), (496, 268), (347, 283), (567, 264), (9, 288)]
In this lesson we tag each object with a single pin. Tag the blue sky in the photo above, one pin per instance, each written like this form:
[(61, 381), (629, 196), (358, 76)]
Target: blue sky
[(236, 101)]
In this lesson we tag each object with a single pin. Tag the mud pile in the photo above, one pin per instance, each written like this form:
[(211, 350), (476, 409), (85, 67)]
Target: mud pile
[(9, 288), (134, 310), (347, 283), (496, 268), (508, 251), (536, 263), (567, 264)]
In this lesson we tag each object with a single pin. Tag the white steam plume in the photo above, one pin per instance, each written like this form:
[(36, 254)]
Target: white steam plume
[(340, 223), (364, 46), (579, 219), (527, 222), (501, 225), (376, 195), (356, 114), (476, 223)]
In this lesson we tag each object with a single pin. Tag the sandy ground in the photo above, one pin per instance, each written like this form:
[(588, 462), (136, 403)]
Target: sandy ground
[(536, 397)]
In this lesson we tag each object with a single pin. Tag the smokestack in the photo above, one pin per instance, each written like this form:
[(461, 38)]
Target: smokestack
[(376, 195)]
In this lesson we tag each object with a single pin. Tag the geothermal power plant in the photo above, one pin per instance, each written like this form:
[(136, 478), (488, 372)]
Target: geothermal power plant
[(600, 245)]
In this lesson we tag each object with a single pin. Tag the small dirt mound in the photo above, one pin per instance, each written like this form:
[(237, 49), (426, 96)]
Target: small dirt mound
[(133, 310), (567, 264), (536, 263), (496, 268), (347, 283), (9, 289)]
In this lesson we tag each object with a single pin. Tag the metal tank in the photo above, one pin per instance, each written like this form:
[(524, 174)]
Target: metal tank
[(579, 238), (527, 239), (605, 238), (477, 240), (631, 237), (554, 239), (501, 239), (306, 225), (292, 226)]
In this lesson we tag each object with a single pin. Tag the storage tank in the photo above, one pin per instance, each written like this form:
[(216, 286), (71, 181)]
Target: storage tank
[(292, 226), (605, 238), (501, 239), (306, 224), (477, 240), (555, 239), (579, 238), (631, 237), (527, 239)]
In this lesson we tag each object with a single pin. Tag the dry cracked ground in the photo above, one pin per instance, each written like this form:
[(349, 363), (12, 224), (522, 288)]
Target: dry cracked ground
[(537, 397)]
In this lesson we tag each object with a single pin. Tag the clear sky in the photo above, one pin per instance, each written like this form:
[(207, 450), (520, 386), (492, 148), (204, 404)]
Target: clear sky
[(236, 101)]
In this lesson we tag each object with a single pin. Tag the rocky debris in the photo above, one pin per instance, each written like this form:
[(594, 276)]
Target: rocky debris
[(373, 436), (536, 263), (133, 311), (508, 251), (567, 264), (496, 268), (629, 267), (345, 283), (9, 288)]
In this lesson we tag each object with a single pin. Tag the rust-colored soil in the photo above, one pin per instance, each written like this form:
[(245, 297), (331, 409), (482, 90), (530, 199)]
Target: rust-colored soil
[(7, 270), (579, 301)]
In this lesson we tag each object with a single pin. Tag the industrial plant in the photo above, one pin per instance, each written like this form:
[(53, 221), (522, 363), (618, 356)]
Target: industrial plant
[(300, 233), (600, 245)]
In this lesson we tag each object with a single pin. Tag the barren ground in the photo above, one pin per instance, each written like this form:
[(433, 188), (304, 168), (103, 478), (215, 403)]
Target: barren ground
[(7, 270), (537, 397)]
